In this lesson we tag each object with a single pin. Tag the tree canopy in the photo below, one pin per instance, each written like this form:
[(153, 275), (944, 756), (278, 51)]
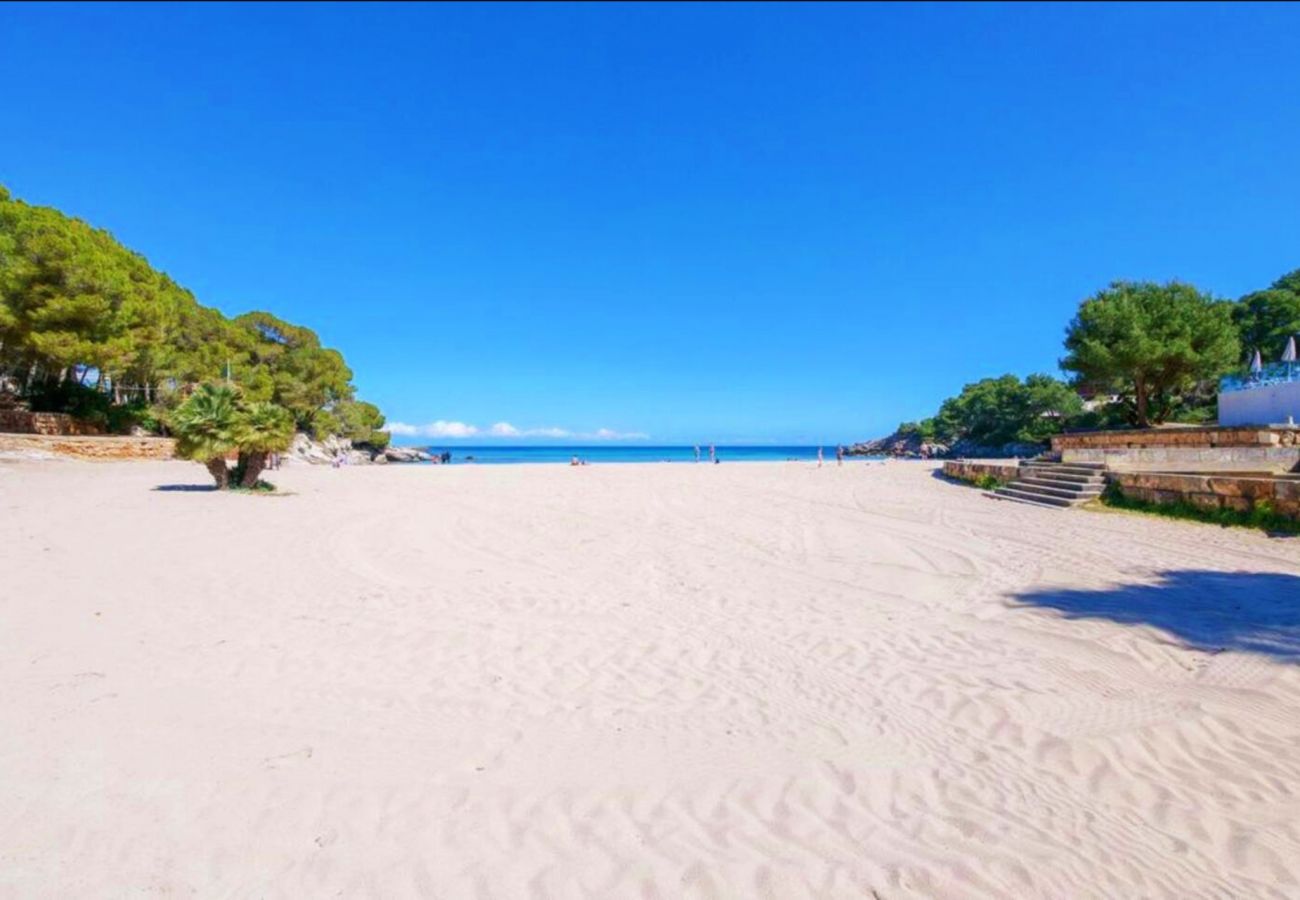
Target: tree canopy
[(1150, 344), (1265, 319), (78, 308), (997, 411)]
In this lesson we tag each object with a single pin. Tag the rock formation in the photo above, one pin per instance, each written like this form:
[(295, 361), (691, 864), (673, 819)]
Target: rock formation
[(324, 452)]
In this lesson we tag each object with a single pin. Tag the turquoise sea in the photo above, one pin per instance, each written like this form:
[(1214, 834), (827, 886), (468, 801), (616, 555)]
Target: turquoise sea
[(499, 454)]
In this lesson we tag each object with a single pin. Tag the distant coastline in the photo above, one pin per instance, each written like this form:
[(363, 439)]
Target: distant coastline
[(502, 454)]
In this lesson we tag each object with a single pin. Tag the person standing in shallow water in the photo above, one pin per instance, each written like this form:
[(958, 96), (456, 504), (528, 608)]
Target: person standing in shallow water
[(697, 452)]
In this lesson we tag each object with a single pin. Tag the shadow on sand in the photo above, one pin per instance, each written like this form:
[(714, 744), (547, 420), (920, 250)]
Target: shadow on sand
[(186, 487), (1255, 612)]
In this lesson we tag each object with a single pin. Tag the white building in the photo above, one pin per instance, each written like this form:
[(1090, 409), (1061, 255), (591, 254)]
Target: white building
[(1268, 397)]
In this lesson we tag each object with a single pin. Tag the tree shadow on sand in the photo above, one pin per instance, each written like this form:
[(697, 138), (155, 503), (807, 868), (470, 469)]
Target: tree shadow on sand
[(188, 488), (1256, 612)]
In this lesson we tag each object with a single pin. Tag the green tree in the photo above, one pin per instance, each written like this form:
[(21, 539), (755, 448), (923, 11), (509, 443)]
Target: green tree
[(1150, 343), (360, 422), (286, 363), (205, 428), (79, 310), (260, 429), (216, 421), (1265, 319), (997, 411)]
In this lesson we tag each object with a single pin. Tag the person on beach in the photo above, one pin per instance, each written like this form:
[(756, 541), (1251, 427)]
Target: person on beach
[(839, 454), (713, 454), (697, 452), (819, 457)]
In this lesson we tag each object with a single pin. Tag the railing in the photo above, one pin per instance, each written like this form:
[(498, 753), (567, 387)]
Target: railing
[(1273, 373)]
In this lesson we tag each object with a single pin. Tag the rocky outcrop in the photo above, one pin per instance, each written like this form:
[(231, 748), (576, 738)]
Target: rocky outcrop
[(906, 445), (406, 455), (910, 445), (324, 452)]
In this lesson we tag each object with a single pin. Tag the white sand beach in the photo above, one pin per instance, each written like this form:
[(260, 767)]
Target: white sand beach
[(648, 681)]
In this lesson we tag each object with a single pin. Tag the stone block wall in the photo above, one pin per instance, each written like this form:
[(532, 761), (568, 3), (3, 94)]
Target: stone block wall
[(1212, 491), (20, 421), (973, 469), (92, 448), (1206, 436), (1207, 449)]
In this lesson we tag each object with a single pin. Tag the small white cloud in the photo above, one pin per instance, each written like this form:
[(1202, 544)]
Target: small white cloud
[(450, 429), (608, 434), (550, 432), (504, 429), (440, 428)]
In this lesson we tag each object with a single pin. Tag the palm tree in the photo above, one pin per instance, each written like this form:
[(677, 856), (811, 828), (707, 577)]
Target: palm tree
[(205, 428), (260, 430)]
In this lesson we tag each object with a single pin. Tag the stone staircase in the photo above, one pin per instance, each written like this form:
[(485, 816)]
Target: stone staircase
[(1044, 482)]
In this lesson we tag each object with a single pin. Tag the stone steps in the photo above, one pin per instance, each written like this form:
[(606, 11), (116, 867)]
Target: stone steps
[(1061, 477), (1053, 484)]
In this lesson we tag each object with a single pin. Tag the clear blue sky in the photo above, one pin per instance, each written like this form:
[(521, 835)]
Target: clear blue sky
[(730, 223)]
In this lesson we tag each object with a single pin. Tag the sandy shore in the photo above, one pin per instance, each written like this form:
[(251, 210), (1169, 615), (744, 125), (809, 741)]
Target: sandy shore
[(650, 681)]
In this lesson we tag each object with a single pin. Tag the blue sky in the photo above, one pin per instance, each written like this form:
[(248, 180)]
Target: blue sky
[(728, 223)]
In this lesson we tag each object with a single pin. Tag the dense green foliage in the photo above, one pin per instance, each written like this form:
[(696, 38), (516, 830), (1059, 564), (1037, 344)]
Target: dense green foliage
[(89, 327), (205, 423), (217, 420), (1265, 319), (996, 411), (1150, 344), (993, 412)]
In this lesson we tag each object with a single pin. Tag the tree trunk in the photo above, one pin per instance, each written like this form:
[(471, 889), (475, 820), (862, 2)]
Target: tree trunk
[(1141, 397), (220, 474), (253, 464)]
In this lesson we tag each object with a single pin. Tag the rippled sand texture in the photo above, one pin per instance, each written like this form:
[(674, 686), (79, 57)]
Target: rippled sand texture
[(649, 681)]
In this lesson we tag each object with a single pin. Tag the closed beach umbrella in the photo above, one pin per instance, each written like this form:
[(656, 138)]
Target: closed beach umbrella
[(1288, 355), (1256, 364)]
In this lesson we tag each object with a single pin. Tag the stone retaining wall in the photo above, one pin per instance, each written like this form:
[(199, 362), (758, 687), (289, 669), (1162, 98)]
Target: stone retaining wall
[(974, 469), (20, 421), (1203, 436), (1207, 449), (95, 448), (1220, 491)]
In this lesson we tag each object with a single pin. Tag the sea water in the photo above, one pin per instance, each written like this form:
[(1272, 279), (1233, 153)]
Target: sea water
[(499, 454)]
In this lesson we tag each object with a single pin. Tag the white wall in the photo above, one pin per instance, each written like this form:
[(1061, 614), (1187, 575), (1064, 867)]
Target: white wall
[(1260, 406)]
